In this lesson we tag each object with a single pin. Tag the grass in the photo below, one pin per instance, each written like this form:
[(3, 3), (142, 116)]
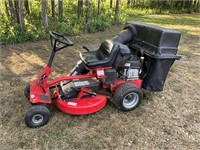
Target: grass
[(165, 120)]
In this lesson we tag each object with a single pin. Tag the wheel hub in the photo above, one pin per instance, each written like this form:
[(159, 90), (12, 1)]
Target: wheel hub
[(38, 118), (130, 100)]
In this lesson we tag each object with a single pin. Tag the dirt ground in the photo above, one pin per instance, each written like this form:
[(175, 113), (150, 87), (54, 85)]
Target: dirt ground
[(165, 120)]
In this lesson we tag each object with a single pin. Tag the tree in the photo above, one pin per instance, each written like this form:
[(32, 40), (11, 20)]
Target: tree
[(44, 14), (21, 14), (87, 15), (11, 8), (7, 9), (133, 3), (98, 7), (160, 6), (26, 5), (16, 10), (80, 8), (117, 11), (198, 5), (128, 3), (189, 6), (53, 9), (111, 2), (60, 9)]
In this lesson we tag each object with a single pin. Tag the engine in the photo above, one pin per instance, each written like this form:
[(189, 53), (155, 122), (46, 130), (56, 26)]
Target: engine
[(132, 69)]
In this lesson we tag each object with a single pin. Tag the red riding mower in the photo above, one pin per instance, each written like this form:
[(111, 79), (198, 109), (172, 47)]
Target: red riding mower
[(139, 56)]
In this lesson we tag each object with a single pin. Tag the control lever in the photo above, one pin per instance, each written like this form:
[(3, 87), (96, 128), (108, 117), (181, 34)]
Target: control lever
[(91, 93), (87, 49), (40, 81)]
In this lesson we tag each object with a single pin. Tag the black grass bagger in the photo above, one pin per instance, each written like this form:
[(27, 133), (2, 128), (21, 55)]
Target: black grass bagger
[(157, 47), (139, 56)]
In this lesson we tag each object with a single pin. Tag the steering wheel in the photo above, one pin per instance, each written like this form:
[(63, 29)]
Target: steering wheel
[(60, 38)]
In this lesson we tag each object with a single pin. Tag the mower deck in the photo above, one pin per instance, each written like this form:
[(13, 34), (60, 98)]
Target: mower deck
[(84, 104)]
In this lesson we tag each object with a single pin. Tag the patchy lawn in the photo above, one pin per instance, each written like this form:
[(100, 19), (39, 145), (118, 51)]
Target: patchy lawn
[(166, 120)]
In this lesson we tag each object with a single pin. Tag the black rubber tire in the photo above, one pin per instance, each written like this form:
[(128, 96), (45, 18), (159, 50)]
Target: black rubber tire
[(125, 90), (37, 116), (27, 91)]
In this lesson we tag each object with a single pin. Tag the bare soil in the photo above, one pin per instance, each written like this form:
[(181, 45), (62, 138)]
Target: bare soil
[(165, 120)]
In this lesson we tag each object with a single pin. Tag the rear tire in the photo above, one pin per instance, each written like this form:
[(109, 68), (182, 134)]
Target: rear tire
[(127, 97), (37, 116), (27, 91)]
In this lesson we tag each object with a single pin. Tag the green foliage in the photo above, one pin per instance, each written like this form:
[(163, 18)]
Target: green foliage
[(100, 23), (71, 25)]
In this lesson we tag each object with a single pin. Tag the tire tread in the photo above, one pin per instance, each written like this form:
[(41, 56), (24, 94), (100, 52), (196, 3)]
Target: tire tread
[(35, 109), (119, 93)]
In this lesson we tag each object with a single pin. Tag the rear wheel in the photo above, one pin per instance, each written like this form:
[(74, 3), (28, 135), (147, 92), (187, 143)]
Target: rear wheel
[(127, 97), (27, 91), (37, 116)]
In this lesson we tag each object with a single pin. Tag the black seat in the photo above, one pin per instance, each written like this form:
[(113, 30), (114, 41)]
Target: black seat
[(109, 54), (103, 57)]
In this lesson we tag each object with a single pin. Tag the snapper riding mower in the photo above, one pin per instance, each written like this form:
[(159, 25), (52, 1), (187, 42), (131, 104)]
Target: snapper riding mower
[(140, 56)]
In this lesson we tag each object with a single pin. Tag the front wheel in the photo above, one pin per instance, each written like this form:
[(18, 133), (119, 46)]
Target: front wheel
[(127, 97), (37, 116)]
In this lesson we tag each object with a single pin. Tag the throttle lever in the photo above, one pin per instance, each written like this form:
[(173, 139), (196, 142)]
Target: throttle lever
[(91, 93), (86, 48)]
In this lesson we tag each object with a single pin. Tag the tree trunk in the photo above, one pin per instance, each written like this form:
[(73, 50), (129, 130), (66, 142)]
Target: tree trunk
[(80, 7), (21, 14), (198, 5), (171, 4), (117, 12), (98, 9), (111, 2), (132, 3), (87, 15), (12, 13), (7, 9), (176, 4), (60, 9), (182, 4), (142, 3), (161, 5), (26, 5), (190, 6), (44, 14), (16, 10), (128, 3), (53, 9)]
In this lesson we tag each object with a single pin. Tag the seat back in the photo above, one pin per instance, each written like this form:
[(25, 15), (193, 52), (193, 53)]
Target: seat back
[(122, 56), (106, 55), (115, 54), (105, 49)]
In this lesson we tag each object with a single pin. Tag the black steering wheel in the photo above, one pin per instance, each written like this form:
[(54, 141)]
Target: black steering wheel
[(60, 38)]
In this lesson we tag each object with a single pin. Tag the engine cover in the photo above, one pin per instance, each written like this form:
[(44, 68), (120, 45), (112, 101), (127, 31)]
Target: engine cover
[(132, 74)]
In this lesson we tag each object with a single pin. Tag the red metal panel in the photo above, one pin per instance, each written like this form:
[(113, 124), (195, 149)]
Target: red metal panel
[(36, 92), (82, 106), (70, 78), (137, 83)]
